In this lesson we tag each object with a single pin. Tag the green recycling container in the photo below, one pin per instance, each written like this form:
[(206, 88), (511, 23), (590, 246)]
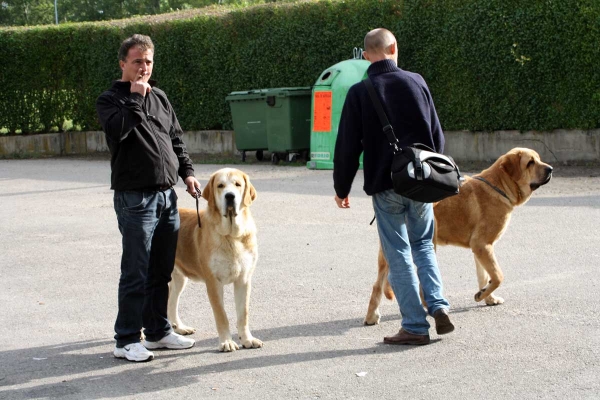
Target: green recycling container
[(276, 119), (249, 115), (328, 96), (288, 120)]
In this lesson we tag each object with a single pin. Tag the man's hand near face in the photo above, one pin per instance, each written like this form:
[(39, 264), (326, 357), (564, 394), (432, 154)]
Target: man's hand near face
[(140, 84)]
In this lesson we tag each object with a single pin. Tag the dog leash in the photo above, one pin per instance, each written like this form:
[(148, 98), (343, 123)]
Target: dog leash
[(198, 193), (492, 186)]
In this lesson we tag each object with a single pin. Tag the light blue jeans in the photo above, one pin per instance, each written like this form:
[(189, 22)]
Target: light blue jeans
[(406, 233)]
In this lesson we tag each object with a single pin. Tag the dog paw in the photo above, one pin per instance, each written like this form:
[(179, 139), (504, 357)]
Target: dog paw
[(492, 300), (480, 295), (252, 343), (228, 346), (183, 329), (372, 319)]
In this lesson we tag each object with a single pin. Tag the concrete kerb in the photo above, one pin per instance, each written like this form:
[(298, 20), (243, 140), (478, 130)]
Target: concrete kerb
[(88, 143), (562, 146), (558, 146)]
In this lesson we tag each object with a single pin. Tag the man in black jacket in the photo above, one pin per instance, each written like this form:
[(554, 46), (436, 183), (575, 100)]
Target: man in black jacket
[(405, 226), (147, 154)]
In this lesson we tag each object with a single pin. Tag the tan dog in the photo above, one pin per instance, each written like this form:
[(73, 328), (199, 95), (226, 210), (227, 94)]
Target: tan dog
[(222, 251), (476, 218)]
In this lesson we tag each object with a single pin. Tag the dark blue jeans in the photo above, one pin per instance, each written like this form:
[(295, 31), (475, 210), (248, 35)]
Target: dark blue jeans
[(149, 225)]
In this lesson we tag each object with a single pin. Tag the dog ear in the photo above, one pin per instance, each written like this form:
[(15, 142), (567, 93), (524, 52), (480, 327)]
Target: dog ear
[(249, 192), (511, 164), (207, 193)]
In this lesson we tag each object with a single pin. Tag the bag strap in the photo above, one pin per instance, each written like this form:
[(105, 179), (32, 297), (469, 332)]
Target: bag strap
[(388, 130)]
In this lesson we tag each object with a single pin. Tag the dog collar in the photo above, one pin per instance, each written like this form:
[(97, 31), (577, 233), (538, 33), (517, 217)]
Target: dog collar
[(492, 186)]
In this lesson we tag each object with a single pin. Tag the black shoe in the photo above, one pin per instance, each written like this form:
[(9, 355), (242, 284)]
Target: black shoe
[(403, 337), (442, 322)]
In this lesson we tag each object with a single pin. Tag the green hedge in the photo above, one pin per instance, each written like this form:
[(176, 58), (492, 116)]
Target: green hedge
[(490, 64)]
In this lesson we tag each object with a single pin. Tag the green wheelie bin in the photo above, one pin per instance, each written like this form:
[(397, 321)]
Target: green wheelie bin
[(288, 122), (249, 116)]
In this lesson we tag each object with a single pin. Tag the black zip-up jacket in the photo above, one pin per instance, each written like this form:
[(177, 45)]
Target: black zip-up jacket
[(409, 107), (144, 138)]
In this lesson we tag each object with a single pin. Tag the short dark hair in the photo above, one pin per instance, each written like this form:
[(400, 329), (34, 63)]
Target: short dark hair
[(143, 41)]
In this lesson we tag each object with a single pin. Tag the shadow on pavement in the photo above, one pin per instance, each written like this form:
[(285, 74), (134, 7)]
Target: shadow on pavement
[(92, 360)]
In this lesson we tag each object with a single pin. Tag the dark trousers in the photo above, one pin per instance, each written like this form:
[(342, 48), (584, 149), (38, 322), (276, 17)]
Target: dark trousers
[(149, 225)]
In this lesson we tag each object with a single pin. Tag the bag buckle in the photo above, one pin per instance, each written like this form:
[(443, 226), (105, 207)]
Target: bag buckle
[(418, 168)]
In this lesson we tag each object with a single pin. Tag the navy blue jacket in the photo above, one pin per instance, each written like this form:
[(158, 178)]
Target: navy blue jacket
[(409, 107), (144, 138)]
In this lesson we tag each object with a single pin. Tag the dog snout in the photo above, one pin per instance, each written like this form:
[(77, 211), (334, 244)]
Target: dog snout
[(548, 173), (544, 178), (229, 198)]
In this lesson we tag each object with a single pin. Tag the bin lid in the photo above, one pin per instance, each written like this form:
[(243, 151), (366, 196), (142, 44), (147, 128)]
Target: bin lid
[(247, 95), (289, 91), (262, 93)]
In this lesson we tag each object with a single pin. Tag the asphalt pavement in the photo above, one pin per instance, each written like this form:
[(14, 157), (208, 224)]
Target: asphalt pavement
[(59, 271)]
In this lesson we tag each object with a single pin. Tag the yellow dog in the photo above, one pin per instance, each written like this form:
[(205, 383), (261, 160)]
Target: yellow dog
[(221, 252), (476, 218)]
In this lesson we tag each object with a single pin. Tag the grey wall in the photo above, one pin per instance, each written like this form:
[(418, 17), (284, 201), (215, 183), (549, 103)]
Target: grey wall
[(556, 146)]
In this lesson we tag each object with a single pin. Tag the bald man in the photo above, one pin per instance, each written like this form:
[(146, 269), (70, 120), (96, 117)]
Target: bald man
[(405, 226)]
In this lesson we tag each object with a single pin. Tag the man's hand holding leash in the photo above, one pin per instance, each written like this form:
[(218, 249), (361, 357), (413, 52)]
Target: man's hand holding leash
[(193, 186)]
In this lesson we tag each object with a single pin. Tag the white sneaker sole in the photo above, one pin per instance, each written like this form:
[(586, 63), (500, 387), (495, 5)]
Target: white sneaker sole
[(129, 357), (157, 345)]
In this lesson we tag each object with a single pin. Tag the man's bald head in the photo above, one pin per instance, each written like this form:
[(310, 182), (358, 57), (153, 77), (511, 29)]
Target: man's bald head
[(379, 40), (380, 44)]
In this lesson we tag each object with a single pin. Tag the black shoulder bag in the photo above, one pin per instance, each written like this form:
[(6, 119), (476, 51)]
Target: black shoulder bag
[(418, 172)]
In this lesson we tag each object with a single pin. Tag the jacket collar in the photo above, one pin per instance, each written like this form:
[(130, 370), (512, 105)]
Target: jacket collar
[(382, 66)]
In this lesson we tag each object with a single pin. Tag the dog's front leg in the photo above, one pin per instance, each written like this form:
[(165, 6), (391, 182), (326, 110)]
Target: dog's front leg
[(489, 274), (241, 290), (214, 290)]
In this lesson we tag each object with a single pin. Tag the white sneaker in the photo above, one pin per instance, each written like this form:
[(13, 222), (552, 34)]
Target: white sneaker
[(134, 352), (171, 341)]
